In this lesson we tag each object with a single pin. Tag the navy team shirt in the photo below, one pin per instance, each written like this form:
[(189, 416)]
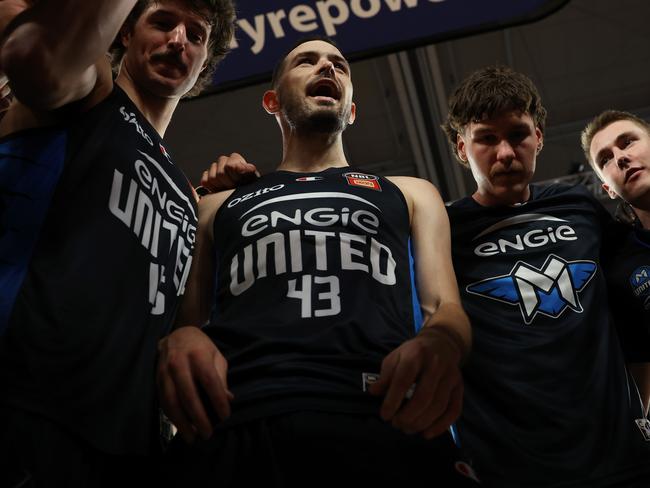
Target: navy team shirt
[(548, 401)]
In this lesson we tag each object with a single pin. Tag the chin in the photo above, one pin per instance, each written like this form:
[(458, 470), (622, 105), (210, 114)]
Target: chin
[(166, 87), (321, 121)]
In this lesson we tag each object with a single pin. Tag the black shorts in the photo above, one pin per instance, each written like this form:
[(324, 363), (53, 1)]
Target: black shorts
[(38, 453), (315, 449)]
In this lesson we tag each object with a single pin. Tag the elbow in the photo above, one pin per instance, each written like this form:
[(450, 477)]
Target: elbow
[(29, 66)]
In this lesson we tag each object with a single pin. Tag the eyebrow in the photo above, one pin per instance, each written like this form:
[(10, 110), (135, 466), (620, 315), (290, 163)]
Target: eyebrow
[(485, 130), (331, 57), (606, 150), (200, 22)]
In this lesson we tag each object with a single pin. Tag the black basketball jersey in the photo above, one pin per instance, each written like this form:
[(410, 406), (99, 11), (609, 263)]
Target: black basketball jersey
[(548, 401), (97, 229), (313, 289), (628, 278)]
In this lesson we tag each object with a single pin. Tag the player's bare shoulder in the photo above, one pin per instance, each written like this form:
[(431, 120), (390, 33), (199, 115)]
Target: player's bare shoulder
[(209, 205), (418, 192)]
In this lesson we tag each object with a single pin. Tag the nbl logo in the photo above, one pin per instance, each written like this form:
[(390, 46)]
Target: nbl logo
[(363, 180), (548, 291)]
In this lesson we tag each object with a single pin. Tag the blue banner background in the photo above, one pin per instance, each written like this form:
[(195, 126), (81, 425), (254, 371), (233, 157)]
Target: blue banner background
[(266, 29)]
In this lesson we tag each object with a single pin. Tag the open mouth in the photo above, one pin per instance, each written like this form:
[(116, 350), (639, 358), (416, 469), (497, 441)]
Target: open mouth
[(324, 88)]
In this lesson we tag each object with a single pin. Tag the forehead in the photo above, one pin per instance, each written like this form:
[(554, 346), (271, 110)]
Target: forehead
[(178, 8), (502, 122), (316, 46), (608, 134)]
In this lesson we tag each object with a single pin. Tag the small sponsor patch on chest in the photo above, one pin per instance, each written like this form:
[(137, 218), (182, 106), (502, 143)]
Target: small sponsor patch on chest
[(363, 180), (309, 178)]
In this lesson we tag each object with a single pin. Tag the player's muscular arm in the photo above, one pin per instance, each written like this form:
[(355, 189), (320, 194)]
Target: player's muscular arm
[(50, 50), (188, 360), (431, 359)]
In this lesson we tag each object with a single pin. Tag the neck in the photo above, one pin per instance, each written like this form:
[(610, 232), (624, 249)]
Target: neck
[(504, 198), (312, 152), (644, 216), (157, 110)]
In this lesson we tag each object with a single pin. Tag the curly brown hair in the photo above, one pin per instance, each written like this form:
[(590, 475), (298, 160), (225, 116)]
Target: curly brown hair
[(221, 18), (601, 121), (487, 93)]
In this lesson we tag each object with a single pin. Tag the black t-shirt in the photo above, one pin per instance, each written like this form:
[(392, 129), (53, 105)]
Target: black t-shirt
[(548, 401), (313, 289), (627, 269), (97, 229)]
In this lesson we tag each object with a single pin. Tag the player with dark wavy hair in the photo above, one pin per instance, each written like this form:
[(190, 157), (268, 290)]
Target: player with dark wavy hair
[(548, 399), (97, 228)]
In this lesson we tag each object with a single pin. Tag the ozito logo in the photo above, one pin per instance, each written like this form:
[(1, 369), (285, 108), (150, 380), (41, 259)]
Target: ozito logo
[(363, 180)]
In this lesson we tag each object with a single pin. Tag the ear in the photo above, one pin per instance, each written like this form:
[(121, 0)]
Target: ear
[(460, 148), (125, 36), (353, 113), (612, 194), (270, 102), (540, 139)]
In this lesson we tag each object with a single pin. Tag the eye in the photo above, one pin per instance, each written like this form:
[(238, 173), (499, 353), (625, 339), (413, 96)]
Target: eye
[(341, 67), (306, 61), (163, 25), (604, 160), (628, 140), (489, 139), (517, 137), (195, 37)]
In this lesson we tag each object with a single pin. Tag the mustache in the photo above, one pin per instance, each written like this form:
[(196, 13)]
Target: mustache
[(169, 57)]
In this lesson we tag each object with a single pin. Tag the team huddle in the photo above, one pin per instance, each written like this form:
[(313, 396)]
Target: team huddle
[(318, 324)]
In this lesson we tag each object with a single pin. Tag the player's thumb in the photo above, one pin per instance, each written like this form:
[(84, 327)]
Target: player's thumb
[(386, 375)]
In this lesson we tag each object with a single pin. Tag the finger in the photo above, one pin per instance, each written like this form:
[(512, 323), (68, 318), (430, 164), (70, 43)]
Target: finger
[(174, 411), (215, 169), (404, 376), (5, 103), (205, 179), (191, 402), (450, 415), (425, 399), (216, 389), (436, 407)]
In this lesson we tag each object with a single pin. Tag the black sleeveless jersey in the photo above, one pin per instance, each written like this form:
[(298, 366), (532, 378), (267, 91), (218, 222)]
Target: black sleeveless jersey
[(628, 277), (96, 231), (313, 289), (548, 401)]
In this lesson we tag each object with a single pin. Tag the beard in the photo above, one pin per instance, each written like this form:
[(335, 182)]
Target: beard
[(322, 120)]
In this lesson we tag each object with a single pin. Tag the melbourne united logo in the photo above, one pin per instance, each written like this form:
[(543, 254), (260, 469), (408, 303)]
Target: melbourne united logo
[(548, 291), (640, 281)]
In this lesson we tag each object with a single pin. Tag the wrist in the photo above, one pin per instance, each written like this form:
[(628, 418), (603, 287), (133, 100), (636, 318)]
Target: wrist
[(452, 337)]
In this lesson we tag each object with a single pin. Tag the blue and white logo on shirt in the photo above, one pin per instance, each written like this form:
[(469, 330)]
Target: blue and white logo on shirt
[(640, 280), (548, 291)]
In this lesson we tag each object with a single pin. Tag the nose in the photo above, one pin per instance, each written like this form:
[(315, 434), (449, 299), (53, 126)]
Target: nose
[(325, 66), (621, 157), (177, 37), (505, 151)]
